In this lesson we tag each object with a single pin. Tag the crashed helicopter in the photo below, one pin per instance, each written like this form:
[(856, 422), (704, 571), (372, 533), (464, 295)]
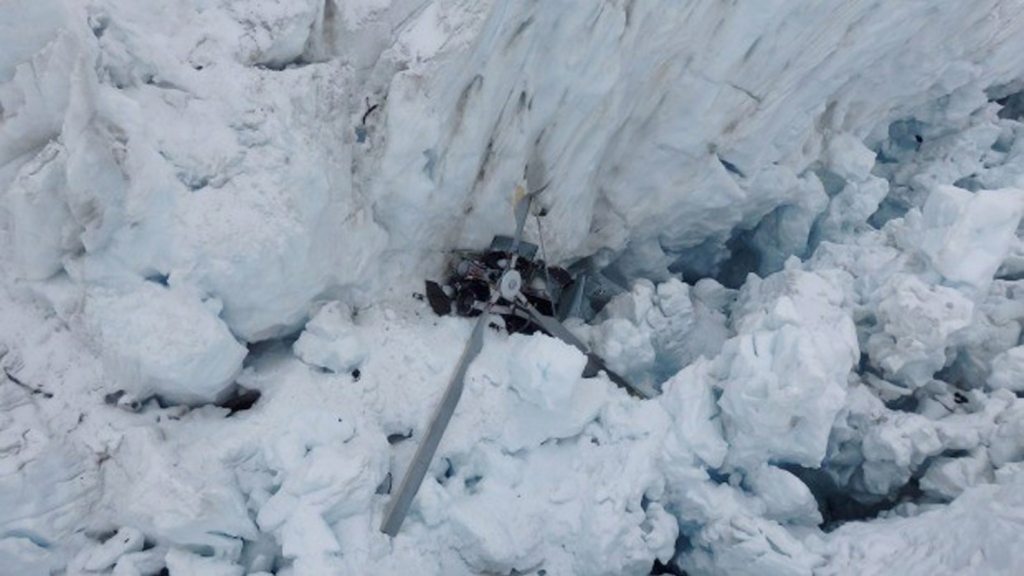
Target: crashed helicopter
[(506, 281)]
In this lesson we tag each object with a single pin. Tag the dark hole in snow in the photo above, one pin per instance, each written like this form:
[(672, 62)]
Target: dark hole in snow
[(158, 278), (908, 403), (241, 399), (385, 485), (832, 182), (472, 482), (1012, 106), (838, 506), (697, 262), (399, 437), (356, 374), (112, 398), (743, 260), (102, 535), (194, 182), (907, 134), (670, 568), (731, 168), (717, 476), (280, 66), (164, 572), (272, 349), (99, 25)]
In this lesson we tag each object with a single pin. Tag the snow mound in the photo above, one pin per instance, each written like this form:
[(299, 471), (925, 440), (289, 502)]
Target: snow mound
[(331, 341), (164, 341)]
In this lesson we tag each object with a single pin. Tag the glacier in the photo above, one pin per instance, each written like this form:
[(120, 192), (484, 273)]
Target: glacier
[(813, 208)]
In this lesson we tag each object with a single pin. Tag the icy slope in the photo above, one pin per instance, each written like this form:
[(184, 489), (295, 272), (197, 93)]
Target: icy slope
[(181, 185)]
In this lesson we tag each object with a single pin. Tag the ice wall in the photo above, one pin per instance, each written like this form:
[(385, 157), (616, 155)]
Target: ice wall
[(264, 155)]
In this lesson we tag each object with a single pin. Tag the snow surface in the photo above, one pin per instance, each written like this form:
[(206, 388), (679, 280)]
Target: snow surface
[(815, 209)]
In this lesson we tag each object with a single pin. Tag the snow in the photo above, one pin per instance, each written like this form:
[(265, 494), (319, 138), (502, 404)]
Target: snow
[(814, 210), (968, 235), (163, 341)]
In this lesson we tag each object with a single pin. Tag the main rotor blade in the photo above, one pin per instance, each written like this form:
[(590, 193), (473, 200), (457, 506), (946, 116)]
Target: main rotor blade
[(399, 506), (522, 210), (558, 330)]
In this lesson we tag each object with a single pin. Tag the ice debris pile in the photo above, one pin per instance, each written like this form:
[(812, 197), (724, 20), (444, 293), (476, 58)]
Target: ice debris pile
[(815, 209)]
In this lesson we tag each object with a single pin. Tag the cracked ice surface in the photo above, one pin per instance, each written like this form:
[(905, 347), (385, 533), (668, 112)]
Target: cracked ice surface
[(182, 185)]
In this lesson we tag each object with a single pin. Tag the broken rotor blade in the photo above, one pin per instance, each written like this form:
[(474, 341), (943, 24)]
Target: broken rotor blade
[(558, 330), (399, 505)]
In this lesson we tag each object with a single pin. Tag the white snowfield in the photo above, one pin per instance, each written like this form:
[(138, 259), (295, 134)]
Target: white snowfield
[(816, 207)]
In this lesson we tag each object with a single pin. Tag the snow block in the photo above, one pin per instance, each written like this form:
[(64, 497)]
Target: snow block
[(1008, 370), (967, 236), (165, 341), (783, 378), (331, 341), (917, 321)]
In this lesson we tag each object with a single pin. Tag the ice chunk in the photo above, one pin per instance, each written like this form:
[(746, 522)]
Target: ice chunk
[(732, 539), (849, 158), (164, 341), (42, 224), (851, 208), (894, 449), (626, 347), (949, 477), (1008, 370), (325, 474), (786, 498), (278, 32), (651, 332), (783, 378), (916, 322), (184, 497), (967, 235), (125, 541), (46, 487), (780, 397), (689, 397), (1006, 445), (544, 371), (331, 340)]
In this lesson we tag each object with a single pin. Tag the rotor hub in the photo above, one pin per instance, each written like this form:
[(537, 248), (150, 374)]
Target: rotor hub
[(511, 283)]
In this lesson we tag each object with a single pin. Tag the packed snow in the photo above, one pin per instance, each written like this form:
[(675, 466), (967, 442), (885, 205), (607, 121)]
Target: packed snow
[(216, 218)]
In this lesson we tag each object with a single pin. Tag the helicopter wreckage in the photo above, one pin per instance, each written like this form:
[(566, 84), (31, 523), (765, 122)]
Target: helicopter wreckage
[(509, 282)]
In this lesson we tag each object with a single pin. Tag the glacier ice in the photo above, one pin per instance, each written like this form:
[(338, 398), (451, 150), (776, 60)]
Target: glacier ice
[(814, 210)]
